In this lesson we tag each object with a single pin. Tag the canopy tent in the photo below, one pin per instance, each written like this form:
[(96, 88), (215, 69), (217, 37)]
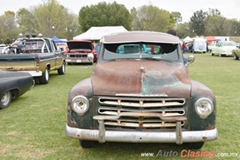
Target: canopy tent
[(187, 39), (210, 39), (57, 40), (96, 33)]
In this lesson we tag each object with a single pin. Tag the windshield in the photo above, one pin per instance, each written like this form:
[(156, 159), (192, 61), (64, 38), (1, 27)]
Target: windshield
[(226, 43), (157, 51)]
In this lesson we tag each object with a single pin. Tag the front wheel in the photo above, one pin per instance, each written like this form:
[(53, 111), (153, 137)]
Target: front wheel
[(196, 145), (211, 53), (62, 70), (5, 99), (87, 144), (44, 79), (235, 56)]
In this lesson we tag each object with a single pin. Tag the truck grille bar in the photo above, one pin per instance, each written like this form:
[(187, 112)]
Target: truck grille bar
[(144, 113)]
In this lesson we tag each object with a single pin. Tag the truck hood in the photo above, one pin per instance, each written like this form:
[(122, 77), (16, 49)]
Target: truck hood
[(80, 45), (142, 78)]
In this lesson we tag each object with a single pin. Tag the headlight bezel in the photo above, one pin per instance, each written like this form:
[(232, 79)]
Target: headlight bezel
[(80, 105), (207, 104)]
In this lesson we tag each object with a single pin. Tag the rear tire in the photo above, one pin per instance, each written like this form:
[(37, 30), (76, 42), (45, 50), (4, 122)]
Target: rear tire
[(44, 79), (5, 99), (87, 144)]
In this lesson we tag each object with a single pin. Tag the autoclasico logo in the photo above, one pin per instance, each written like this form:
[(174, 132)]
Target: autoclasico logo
[(196, 154), (186, 154)]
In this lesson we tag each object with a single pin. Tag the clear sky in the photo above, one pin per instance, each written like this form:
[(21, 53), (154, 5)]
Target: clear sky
[(228, 8)]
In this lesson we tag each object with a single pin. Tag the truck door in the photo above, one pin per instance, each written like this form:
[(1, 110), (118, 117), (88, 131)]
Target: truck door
[(58, 55)]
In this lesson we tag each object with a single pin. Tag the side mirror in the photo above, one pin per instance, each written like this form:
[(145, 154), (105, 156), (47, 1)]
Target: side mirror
[(191, 59)]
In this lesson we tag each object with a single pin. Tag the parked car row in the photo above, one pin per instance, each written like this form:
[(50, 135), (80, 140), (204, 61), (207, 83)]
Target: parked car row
[(33, 58)]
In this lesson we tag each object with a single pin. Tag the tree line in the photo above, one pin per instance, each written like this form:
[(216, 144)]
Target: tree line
[(51, 18)]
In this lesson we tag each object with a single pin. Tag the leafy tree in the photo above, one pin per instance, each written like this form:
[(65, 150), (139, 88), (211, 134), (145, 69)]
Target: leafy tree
[(231, 27), (103, 14), (215, 26), (177, 17), (49, 18), (26, 21), (72, 28), (197, 22), (50, 14), (8, 26), (222, 25), (213, 12), (183, 30), (149, 17)]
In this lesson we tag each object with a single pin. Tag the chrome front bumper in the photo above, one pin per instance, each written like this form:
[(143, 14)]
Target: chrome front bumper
[(177, 137)]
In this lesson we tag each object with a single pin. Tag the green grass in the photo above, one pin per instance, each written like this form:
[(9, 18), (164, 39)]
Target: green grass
[(33, 126)]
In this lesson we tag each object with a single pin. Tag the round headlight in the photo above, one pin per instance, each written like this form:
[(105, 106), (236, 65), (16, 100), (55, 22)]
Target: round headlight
[(204, 107), (90, 57), (80, 105)]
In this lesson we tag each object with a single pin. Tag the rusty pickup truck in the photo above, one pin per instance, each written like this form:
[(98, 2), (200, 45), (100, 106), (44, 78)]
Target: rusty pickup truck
[(35, 55), (141, 95)]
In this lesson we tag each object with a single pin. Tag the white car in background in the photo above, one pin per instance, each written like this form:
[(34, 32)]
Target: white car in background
[(223, 48), (211, 45)]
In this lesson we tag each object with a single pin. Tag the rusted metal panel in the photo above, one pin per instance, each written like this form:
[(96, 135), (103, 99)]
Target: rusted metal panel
[(141, 77), (117, 77), (200, 90)]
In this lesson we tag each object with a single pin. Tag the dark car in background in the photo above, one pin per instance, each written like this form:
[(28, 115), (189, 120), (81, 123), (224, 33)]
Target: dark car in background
[(12, 85)]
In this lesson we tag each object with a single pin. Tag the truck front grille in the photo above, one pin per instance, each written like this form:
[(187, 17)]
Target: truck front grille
[(141, 113), (78, 55)]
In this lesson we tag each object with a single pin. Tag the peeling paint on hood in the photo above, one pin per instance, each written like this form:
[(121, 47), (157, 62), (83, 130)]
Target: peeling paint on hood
[(141, 77)]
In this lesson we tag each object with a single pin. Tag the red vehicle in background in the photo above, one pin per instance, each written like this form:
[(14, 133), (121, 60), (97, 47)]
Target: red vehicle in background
[(62, 47), (80, 51)]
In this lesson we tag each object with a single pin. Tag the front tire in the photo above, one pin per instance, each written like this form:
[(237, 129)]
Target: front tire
[(196, 145), (44, 79), (211, 53), (235, 56), (5, 99), (87, 144), (62, 70)]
